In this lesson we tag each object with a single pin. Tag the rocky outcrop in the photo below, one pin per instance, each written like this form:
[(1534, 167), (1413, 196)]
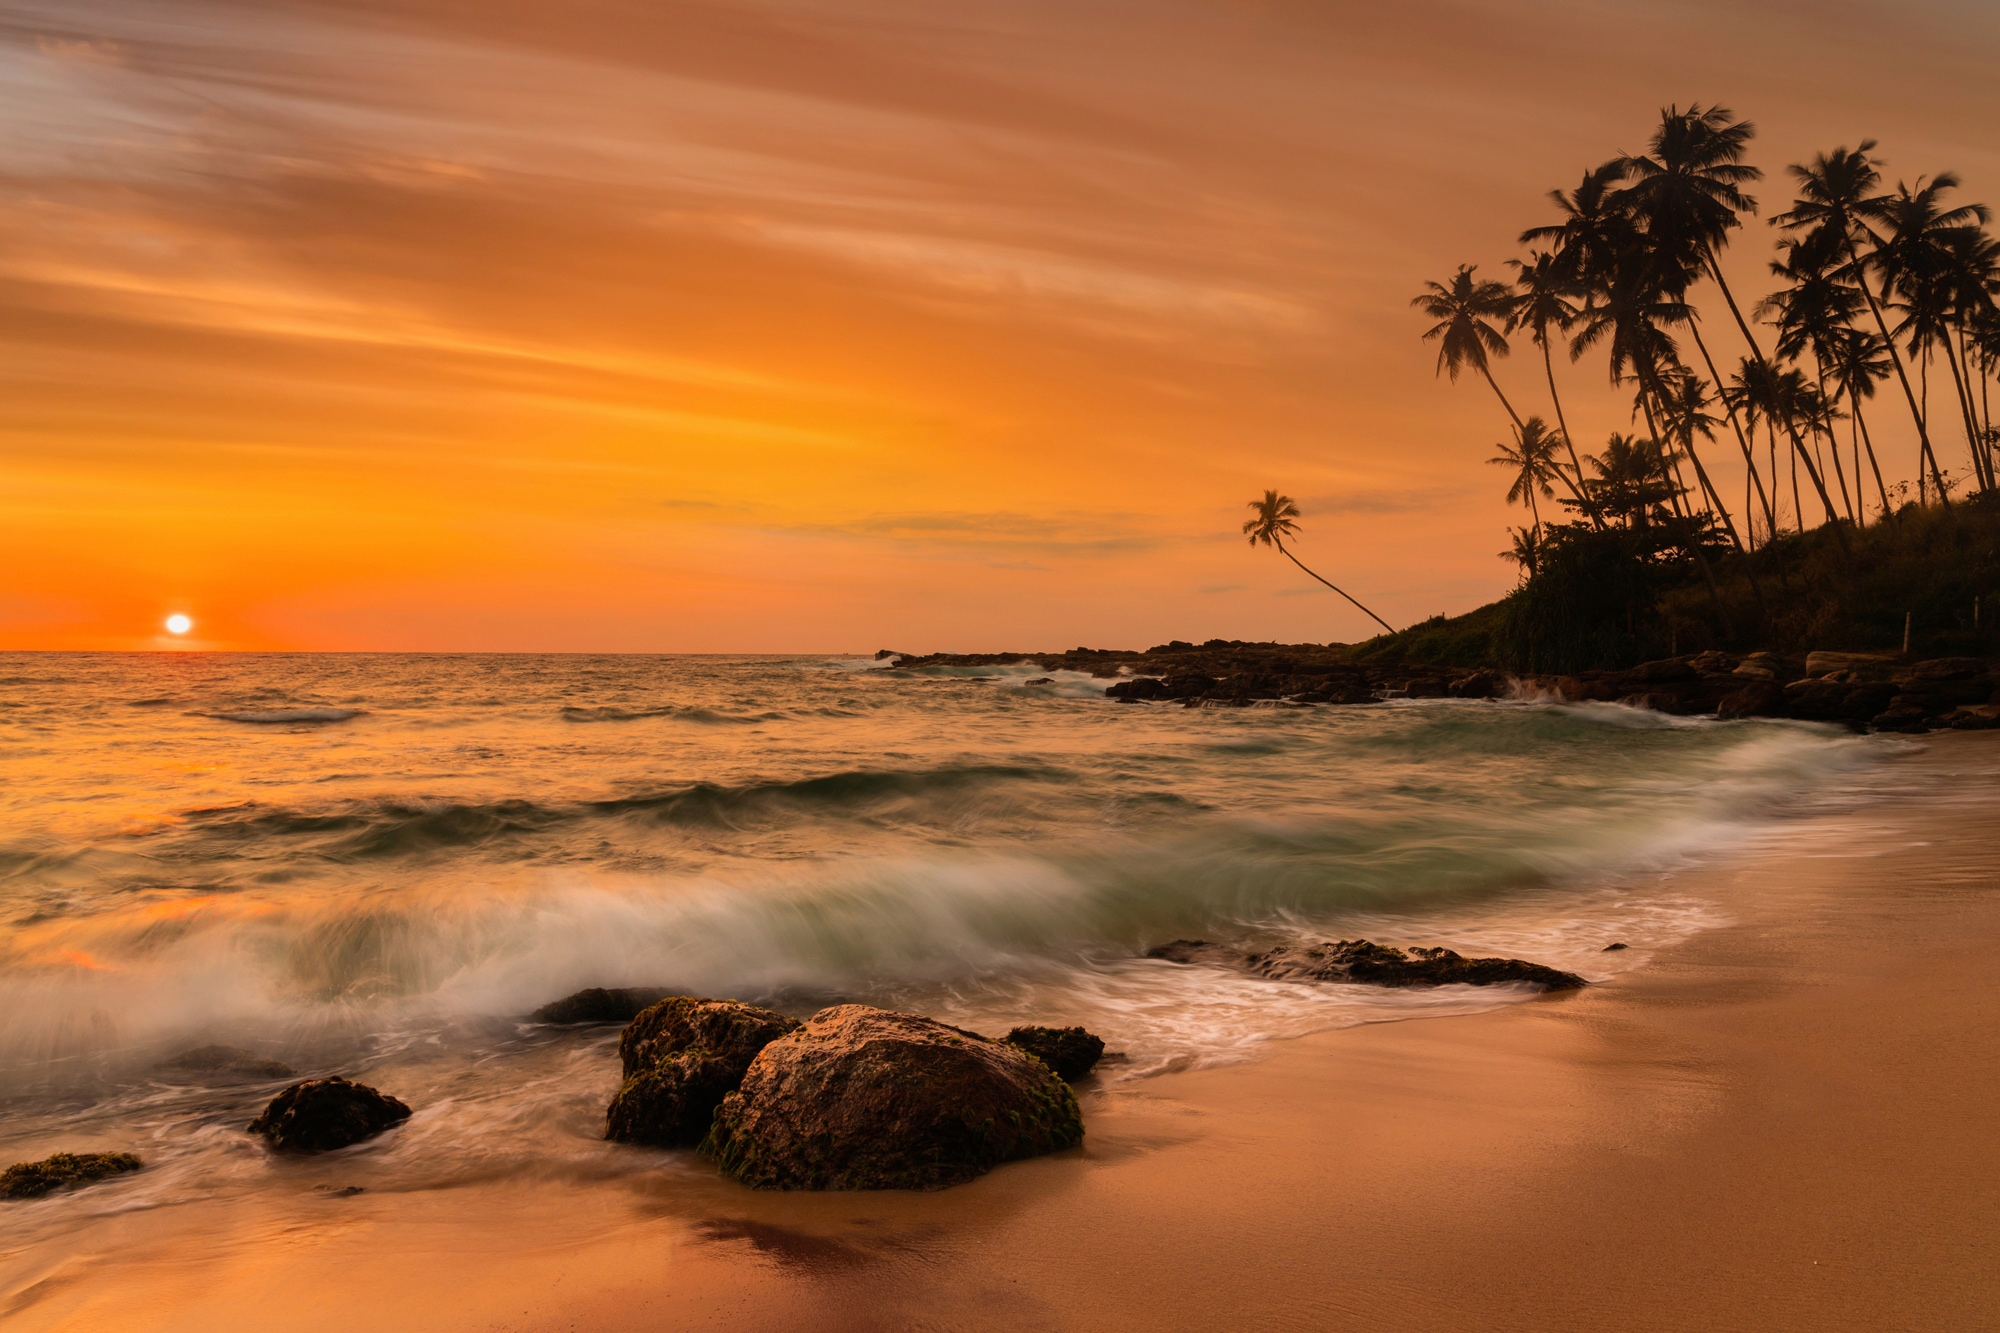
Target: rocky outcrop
[(1860, 690), (1370, 964), (598, 1005), (1071, 1052), (214, 1063), (862, 1098), (322, 1114), (63, 1170), (681, 1057)]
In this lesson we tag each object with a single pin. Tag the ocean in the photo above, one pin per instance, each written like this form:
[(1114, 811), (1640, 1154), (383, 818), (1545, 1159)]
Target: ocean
[(378, 866)]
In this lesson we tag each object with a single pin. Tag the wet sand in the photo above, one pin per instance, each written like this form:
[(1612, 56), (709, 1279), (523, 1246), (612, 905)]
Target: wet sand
[(1790, 1122)]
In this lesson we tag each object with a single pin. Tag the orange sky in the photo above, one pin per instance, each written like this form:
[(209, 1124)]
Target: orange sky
[(643, 325)]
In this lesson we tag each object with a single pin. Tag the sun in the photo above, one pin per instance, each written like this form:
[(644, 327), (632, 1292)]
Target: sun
[(179, 624)]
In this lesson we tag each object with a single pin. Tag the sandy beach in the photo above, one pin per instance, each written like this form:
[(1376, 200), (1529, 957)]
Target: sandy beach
[(1784, 1123)]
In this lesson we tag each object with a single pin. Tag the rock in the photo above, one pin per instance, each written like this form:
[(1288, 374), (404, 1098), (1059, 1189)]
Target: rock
[(1071, 1052), (1671, 668), (1948, 668), (1478, 685), (63, 1170), (1137, 689), (1756, 699), (227, 1062), (1370, 964), (1761, 666), (1614, 948), (681, 1057), (883, 654), (1975, 717), (597, 1005), (322, 1114), (863, 1098), (1866, 666), (1424, 689)]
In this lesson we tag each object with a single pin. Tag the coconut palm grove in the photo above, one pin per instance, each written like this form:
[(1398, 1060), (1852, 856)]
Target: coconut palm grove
[(1881, 305)]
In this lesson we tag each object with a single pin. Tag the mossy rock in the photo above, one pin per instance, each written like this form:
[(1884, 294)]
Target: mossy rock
[(1071, 1052), (63, 1170), (681, 1057)]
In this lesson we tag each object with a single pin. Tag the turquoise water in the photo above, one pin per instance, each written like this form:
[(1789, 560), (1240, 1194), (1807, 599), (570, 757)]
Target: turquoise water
[(377, 865)]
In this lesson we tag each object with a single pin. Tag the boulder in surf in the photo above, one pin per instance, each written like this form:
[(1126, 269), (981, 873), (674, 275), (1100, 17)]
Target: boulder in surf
[(1071, 1052), (596, 1004), (681, 1057), (322, 1114), (226, 1062), (863, 1099), (1371, 964)]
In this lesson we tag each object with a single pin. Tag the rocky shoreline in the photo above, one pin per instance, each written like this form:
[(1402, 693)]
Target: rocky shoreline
[(1865, 691)]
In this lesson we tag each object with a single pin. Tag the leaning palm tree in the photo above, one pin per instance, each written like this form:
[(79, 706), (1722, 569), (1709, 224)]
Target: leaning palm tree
[(1273, 522), (1531, 461), (1465, 311)]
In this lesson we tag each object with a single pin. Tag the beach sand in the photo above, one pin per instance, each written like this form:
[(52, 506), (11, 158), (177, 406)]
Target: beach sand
[(1788, 1122)]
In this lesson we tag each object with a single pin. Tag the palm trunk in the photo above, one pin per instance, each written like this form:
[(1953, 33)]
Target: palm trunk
[(1574, 483), (1965, 413), (1903, 376), (1798, 446), (1833, 441), (1357, 606), (1749, 458), (1694, 545), (1495, 384)]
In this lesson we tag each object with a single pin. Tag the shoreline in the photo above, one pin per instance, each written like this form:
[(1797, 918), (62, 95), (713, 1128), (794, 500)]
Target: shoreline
[(1863, 691), (1777, 1123)]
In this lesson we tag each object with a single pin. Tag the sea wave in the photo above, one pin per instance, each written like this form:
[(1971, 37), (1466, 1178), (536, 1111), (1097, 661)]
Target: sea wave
[(281, 716), (388, 828), (710, 716)]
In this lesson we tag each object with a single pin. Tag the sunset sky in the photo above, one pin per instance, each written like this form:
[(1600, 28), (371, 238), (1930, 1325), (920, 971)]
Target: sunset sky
[(824, 325)]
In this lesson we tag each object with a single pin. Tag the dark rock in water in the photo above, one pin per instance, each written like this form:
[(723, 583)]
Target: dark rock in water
[(1614, 948), (597, 1005), (726, 1027), (681, 1057), (862, 1098), (1370, 964), (322, 1114), (63, 1170), (227, 1062), (1071, 1052)]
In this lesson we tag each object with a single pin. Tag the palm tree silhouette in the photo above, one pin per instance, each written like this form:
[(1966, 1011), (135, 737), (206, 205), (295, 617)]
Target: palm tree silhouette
[(1465, 310), (1533, 461), (1687, 193), (1546, 286), (1272, 522), (1917, 252), (1834, 201)]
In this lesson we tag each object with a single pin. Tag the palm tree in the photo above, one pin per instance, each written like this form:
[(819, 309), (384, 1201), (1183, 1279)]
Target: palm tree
[(1595, 229), (1687, 196), (1525, 550), (1917, 253), (1465, 311), (1273, 522), (1533, 460), (1834, 200), (1546, 287), (1857, 362)]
